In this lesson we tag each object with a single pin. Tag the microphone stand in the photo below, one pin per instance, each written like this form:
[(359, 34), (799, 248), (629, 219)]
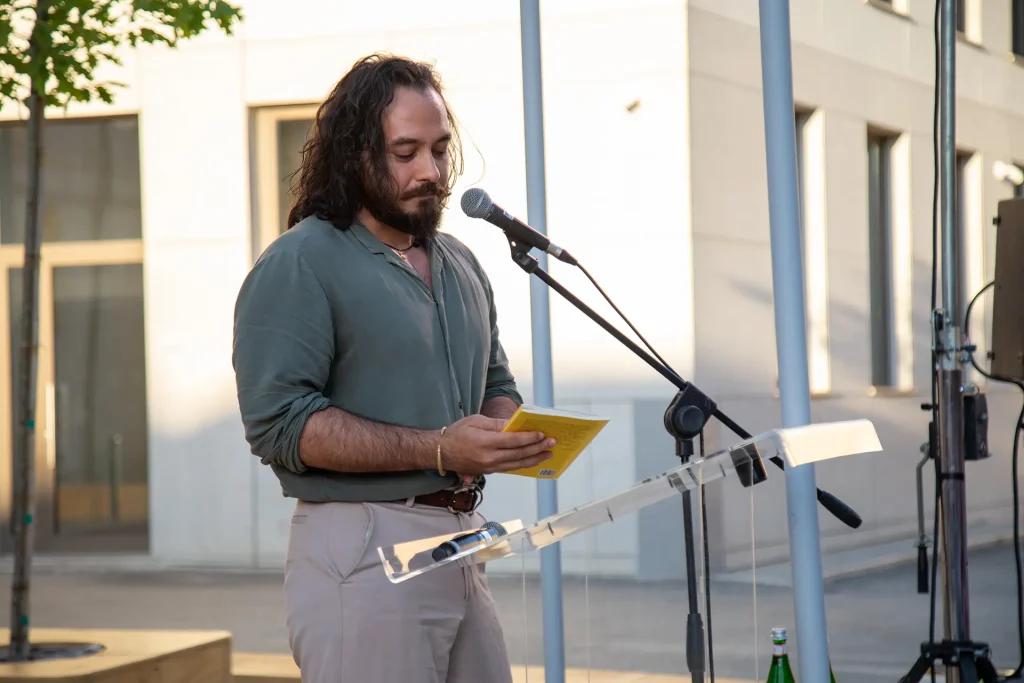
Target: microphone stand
[(685, 418)]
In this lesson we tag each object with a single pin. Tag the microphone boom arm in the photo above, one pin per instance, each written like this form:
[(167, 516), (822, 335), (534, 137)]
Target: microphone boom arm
[(521, 256)]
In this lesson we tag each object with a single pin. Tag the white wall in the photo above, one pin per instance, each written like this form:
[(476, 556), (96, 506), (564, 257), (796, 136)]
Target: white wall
[(195, 198), (858, 66)]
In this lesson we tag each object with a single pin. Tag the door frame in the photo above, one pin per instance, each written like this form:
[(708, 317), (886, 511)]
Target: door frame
[(52, 255)]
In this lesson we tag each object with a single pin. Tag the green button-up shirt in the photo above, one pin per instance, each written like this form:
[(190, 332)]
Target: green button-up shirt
[(335, 318)]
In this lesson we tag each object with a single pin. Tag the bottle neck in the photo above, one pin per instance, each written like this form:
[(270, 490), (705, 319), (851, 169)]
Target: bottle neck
[(779, 649)]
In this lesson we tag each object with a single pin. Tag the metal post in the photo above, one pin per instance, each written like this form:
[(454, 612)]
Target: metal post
[(790, 331), (540, 317), (951, 438), (116, 442)]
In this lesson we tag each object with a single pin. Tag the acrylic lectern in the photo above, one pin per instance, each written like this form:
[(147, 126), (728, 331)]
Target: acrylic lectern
[(796, 446)]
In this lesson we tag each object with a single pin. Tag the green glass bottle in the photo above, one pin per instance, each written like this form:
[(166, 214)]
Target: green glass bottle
[(780, 671)]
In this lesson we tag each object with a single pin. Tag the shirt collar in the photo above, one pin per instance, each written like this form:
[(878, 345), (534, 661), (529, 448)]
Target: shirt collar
[(375, 246)]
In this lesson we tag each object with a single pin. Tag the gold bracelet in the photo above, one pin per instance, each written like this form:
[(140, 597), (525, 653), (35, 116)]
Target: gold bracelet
[(440, 468)]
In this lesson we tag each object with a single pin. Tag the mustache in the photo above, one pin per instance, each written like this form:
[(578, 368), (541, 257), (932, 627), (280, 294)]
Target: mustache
[(427, 190)]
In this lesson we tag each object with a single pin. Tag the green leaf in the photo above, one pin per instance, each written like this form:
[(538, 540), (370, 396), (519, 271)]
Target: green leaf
[(61, 51)]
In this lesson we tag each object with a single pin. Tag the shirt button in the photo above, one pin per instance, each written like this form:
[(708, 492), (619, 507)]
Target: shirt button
[(460, 405)]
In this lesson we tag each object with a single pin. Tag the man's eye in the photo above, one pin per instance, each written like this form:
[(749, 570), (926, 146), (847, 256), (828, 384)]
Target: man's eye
[(405, 157)]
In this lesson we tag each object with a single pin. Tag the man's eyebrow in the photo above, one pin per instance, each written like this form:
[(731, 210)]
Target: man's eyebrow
[(397, 142)]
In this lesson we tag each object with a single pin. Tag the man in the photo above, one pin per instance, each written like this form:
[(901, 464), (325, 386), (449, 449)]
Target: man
[(371, 379)]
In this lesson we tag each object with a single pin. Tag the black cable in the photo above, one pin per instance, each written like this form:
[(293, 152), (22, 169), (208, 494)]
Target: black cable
[(935, 562), (707, 570), (623, 316), (1017, 429), (703, 504), (935, 304)]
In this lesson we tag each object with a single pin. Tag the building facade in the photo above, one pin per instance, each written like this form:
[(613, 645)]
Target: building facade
[(157, 205)]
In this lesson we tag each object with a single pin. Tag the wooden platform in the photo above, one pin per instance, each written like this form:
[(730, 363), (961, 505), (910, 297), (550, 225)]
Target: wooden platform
[(264, 668), (129, 657), (247, 667)]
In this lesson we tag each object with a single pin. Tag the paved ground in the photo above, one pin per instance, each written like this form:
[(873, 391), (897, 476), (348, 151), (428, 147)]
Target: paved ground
[(876, 621)]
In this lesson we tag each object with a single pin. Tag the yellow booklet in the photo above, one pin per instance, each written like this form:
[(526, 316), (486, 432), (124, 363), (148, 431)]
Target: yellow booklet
[(571, 431)]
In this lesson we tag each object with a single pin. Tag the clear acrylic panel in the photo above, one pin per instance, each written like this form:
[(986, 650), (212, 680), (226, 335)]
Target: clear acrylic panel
[(408, 560), (744, 460)]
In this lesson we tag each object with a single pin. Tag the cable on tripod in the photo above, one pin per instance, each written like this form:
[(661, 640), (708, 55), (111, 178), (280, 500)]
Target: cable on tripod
[(707, 570), (623, 316), (934, 307), (1017, 429)]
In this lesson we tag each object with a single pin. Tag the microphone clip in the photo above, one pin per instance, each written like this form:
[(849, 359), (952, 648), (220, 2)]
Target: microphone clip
[(521, 255)]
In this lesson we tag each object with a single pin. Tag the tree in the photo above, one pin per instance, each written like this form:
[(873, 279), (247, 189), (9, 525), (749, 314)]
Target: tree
[(49, 53)]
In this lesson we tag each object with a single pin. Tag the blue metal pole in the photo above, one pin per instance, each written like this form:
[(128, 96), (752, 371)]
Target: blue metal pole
[(790, 332), (540, 316)]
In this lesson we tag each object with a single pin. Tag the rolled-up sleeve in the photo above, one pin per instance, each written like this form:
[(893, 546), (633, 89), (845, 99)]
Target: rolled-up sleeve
[(282, 353)]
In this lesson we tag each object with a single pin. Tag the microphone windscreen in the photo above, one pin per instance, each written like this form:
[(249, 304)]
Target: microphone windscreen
[(498, 528), (476, 203)]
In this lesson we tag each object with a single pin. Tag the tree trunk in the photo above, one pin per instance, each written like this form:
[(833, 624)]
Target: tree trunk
[(23, 512)]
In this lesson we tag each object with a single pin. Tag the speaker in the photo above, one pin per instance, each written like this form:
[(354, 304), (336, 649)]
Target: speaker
[(1007, 352)]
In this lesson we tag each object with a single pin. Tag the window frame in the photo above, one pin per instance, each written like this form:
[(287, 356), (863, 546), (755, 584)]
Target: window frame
[(264, 154)]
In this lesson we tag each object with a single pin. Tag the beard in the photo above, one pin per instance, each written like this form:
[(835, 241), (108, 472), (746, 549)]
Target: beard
[(422, 223)]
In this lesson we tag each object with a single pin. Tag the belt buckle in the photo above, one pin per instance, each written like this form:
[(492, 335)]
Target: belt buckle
[(478, 497)]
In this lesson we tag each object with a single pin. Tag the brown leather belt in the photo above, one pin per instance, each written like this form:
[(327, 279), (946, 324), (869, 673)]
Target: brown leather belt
[(462, 499)]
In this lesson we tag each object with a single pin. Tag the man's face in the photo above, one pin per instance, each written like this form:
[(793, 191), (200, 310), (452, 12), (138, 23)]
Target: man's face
[(416, 133)]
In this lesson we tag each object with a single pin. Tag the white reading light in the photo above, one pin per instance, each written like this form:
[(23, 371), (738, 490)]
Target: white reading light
[(1010, 173)]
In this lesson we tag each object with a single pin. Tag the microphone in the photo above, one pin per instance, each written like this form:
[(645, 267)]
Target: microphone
[(476, 203), (459, 543)]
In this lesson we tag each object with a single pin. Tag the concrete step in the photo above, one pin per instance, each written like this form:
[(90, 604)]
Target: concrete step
[(858, 561), (271, 668)]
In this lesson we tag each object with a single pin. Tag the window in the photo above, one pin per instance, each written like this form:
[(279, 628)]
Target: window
[(884, 368), (968, 240), (1017, 27), (291, 138), (810, 159), (960, 236), (278, 135), (801, 120), (91, 186)]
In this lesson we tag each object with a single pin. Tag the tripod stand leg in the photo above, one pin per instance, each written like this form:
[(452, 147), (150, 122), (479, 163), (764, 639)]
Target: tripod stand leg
[(987, 671), (918, 671), (968, 670)]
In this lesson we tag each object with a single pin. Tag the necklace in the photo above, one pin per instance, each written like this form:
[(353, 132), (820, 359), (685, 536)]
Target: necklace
[(401, 252)]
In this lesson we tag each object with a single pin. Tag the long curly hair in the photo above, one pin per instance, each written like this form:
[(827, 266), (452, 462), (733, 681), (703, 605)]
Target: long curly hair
[(347, 137)]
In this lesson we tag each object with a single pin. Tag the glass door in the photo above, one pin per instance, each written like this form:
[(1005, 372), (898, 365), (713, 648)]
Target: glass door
[(90, 445), (91, 450)]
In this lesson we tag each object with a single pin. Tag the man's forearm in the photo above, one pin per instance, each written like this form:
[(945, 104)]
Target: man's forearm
[(333, 439), (501, 407)]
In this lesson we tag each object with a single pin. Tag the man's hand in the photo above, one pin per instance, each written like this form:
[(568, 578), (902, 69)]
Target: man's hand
[(476, 445)]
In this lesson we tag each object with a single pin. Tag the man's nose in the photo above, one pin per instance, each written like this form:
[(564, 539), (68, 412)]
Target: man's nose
[(428, 170)]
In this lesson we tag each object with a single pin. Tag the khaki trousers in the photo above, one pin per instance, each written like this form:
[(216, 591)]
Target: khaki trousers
[(347, 623)]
